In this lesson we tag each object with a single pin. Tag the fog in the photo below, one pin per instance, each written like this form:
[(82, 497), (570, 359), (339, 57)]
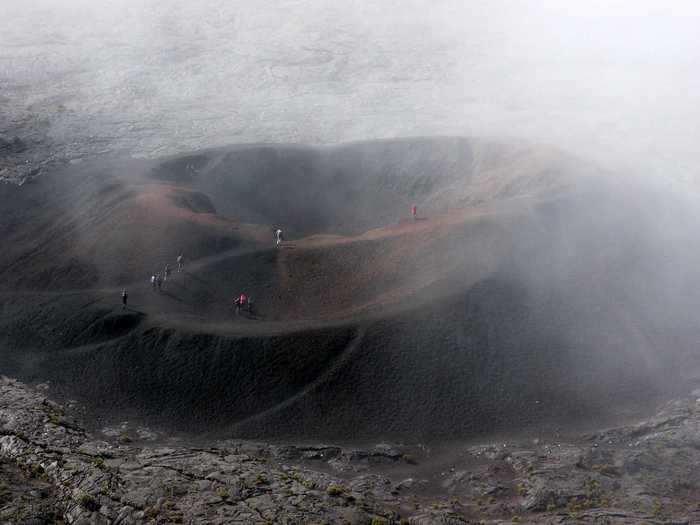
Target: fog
[(614, 81)]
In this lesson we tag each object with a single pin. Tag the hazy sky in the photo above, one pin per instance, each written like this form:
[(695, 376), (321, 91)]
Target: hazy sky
[(618, 81)]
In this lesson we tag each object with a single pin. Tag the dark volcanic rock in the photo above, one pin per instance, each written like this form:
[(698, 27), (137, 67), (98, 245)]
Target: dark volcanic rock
[(53, 470), (9, 146)]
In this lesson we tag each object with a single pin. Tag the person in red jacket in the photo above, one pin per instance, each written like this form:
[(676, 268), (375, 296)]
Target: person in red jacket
[(414, 212), (241, 302)]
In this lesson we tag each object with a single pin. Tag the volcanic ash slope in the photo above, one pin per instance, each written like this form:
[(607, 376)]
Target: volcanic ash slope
[(532, 289)]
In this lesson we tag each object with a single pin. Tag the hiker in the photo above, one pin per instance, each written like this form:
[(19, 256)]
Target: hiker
[(241, 302), (280, 237), (153, 282), (414, 212), (180, 261), (166, 272), (159, 281), (125, 298)]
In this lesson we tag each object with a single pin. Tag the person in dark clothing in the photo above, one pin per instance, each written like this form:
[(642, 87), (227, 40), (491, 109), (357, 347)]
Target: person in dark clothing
[(125, 298)]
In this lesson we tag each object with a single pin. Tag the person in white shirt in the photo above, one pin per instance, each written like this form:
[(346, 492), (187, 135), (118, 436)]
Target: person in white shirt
[(280, 237)]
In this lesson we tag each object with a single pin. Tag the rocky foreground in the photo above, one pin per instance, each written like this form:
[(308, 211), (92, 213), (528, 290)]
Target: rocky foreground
[(53, 471)]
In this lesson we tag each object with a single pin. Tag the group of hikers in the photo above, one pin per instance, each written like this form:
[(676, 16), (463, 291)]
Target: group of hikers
[(158, 278), (241, 302)]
